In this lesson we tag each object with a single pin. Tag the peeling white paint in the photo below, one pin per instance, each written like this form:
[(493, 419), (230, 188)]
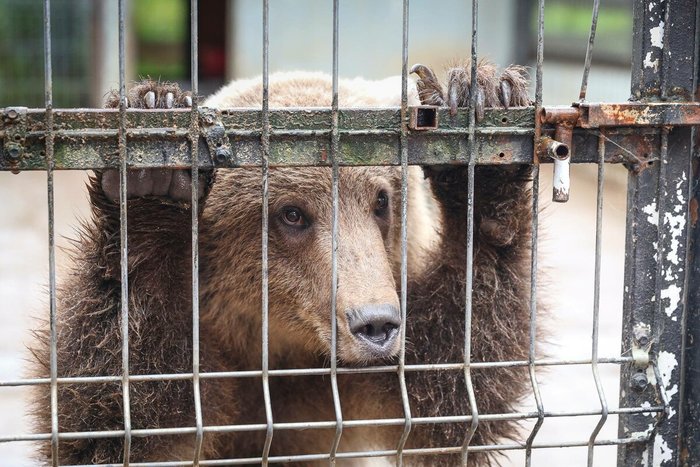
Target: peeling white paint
[(651, 376), (643, 434), (667, 363), (657, 35), (675, 223), (645, 458), (652, 212), (662, 453), (673, 293), (649, 63)]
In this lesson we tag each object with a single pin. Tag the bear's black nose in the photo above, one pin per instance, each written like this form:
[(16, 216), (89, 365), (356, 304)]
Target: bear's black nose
[(376, 327)]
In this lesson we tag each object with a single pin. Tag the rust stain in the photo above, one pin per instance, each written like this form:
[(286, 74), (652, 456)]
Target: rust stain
[(505, 156), (324, 155), (693, 211)]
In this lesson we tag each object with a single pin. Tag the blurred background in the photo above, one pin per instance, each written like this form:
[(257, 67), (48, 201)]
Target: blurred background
[(85, 67)]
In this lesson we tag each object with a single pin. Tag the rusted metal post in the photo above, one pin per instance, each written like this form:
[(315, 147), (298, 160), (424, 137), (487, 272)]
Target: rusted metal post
[(690, 442), (656, 242), (690, 378)]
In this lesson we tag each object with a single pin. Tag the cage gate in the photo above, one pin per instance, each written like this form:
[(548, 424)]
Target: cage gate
[(654, 135)]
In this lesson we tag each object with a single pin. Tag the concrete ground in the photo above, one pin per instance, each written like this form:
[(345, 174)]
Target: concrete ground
[(566, 257)]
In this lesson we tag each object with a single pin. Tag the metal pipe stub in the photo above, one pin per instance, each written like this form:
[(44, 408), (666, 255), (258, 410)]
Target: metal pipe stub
[(560, 154), (558, 149)]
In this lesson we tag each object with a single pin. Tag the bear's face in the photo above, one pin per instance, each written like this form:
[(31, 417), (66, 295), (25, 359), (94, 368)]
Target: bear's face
[(300, 261)]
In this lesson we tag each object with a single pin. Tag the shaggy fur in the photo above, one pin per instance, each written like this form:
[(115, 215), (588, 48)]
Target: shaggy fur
[(89, 341)]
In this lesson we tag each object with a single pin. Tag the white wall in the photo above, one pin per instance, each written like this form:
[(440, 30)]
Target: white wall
[(301, 35)]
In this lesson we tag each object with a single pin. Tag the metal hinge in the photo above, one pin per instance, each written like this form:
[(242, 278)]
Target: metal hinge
[(214, 132)]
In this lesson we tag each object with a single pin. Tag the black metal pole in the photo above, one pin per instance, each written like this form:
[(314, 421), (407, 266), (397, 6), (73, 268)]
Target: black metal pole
[(690, 378), (655, 305)]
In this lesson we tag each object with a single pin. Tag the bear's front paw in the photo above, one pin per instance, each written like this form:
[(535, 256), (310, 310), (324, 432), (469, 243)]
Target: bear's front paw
[(507, 89), (170, 184)]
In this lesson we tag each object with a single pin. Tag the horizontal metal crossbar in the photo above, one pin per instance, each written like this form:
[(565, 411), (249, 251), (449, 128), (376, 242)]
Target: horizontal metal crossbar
[(386, 453), (626, 114), (321, 425), (639, 114), (87, 138), (311, 371)]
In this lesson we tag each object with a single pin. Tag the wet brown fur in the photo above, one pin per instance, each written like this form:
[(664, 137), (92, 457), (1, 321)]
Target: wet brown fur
[(89, 336)]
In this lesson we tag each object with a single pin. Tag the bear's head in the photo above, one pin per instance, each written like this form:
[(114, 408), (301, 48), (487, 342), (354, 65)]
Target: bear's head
[(300, 230)]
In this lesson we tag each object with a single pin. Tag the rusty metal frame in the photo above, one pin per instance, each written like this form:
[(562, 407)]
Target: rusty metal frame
[(86, 138)]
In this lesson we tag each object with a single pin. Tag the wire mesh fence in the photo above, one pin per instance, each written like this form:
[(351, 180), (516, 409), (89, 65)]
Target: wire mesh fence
[(652, 136)]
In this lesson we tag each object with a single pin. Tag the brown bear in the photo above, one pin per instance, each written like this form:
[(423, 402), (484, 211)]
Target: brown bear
[(367, 310)]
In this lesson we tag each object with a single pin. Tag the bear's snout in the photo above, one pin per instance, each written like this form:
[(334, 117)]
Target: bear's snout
[(376, 329)]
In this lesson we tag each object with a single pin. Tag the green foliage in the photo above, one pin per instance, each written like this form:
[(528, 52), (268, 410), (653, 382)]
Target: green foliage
[(160, 21), (561, 18), (568, 25)]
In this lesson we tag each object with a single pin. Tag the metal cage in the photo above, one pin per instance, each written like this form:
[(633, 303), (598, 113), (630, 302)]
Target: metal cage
[(654, 136)]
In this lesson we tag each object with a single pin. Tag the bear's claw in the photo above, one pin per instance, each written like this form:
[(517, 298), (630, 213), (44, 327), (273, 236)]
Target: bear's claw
[(509, 89), (170, 184), (429, 89)]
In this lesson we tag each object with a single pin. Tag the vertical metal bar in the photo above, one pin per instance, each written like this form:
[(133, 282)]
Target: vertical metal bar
[(470, 242), (540, 56), (596, 299), (334, 243), (53, 360), (123, 239), (638, 304), (663, 62), (663, 67), (194, 145), (533, 317), (654, 296), (689, 394), (666, 52), (404, 237), (659, 302), (533, 247), (265, 140), (659, 305), (589, 51)]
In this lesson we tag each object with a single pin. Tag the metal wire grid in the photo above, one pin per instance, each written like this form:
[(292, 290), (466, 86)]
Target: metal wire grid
[(401, 368)]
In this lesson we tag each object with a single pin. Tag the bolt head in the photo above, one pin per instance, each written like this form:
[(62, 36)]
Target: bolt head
[(222, 155), (639, 381), (11, 114), (13, 151)]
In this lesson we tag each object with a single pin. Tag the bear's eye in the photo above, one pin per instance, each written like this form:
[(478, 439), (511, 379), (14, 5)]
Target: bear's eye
[(294, 217), (382, 203)]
